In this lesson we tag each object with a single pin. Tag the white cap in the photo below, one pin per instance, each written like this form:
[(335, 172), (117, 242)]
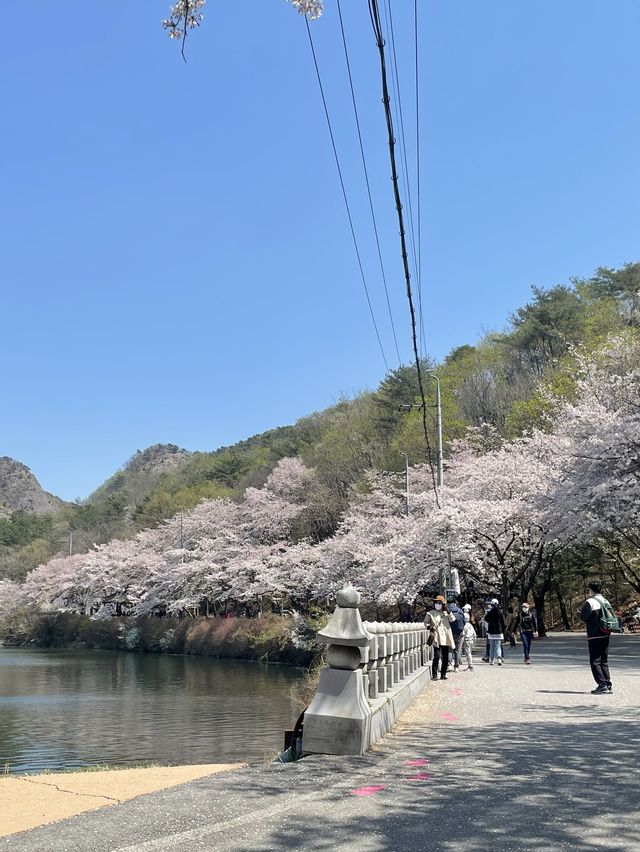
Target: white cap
[(467, 607), (494, 601)]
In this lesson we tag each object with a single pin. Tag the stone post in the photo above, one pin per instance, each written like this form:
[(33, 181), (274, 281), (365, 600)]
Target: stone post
[(338, 718)]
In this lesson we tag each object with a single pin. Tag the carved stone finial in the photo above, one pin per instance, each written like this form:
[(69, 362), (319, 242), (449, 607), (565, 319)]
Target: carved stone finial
[(348, 598), (345, 625)]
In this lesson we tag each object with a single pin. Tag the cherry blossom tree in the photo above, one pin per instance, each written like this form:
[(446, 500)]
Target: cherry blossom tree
[(596, 497)]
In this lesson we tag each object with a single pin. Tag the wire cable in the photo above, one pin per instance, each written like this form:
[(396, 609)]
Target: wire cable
[(419, 202), (366, 177), (404, 160), (386, 100), (404, 163), (344, 192)]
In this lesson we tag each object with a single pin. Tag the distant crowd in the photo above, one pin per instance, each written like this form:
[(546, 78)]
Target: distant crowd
[(454, 632)]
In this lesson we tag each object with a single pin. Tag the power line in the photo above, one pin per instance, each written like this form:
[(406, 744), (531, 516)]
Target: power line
[(417, 75), (344, 191), (377, 28), (366, 177), (404, 159)]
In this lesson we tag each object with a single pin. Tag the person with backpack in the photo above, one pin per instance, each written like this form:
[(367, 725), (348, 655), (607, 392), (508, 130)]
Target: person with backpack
[(600, 620), (527, 625), (457, 627)]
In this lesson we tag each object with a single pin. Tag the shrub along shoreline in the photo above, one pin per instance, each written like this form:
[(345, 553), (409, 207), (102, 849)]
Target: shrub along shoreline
[(272, 638)]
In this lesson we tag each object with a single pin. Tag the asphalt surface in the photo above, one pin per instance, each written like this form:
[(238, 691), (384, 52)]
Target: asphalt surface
[(511, 758)]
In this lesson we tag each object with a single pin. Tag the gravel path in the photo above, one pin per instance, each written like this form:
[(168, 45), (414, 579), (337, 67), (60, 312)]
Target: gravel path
[(512, 758)]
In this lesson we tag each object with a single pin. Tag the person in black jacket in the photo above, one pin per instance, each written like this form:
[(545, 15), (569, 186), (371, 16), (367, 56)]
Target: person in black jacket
[(527, 624), (495, 631)]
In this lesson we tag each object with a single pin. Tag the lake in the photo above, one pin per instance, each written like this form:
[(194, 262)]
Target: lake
[(68, 708)]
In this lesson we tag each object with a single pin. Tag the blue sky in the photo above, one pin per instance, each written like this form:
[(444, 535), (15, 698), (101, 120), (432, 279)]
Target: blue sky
[(176, 262)]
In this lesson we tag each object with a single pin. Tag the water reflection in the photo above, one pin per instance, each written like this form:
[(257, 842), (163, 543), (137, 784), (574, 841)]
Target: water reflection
[(63, 709)]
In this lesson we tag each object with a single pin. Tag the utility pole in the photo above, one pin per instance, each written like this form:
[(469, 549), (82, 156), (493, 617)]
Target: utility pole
[(438, 407), (440, 476), (406, 482)]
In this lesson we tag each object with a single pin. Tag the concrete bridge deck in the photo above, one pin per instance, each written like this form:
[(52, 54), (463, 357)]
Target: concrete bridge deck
[(512, 758)]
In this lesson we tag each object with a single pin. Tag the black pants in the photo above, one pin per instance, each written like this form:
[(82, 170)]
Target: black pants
[(440, 654), (599, 659)]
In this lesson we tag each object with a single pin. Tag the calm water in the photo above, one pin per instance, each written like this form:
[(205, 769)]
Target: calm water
[(61, 709)]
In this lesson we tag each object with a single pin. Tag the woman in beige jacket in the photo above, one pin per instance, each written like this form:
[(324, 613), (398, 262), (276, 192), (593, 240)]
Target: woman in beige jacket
[(438, 621)]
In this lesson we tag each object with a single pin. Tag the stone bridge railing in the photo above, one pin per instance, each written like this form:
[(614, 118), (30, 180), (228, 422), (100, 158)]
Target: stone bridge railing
[(375, 670)]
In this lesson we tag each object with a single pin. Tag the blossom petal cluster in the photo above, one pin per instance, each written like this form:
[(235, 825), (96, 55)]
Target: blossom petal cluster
[(311, 8), (183, 16)]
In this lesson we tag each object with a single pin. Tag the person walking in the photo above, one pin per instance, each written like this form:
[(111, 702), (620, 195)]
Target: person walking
[(598, 615), (495, 632), (468, 641), (457, 626), (527, 625), (484, 629), (438, 621), (510, 622)]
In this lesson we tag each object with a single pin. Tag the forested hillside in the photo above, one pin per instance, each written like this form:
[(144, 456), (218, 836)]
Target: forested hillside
[(520, 407)]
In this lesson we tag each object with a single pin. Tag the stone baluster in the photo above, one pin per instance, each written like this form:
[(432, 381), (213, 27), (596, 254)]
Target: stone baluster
[(397, 673), (381, 645), (407, 649), (426, 649), (402, 648), (372, 667), (416, 646), (410, 649), (388, 655)]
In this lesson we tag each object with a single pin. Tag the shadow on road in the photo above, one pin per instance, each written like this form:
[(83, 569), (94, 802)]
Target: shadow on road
[(544, 785)]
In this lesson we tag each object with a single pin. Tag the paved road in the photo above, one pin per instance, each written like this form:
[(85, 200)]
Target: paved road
[(518, 758)]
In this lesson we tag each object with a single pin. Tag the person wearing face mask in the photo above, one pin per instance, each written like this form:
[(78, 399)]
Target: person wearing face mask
[(468, 641), (438, 621), (526, 624)]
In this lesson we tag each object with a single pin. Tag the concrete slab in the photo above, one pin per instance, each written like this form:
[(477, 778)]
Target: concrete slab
[(28, 801)]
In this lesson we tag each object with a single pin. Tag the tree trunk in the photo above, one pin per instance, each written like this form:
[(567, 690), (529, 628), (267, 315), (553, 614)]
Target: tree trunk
[(563, 606)]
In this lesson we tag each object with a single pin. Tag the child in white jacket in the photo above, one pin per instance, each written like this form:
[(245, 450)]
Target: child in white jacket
[(468, 641)]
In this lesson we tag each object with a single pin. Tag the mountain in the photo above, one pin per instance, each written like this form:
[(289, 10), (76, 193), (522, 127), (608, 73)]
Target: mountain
[(20, 490), (140, 474)]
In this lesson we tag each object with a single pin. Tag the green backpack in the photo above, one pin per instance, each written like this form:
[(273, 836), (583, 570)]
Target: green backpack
[(608, 620)]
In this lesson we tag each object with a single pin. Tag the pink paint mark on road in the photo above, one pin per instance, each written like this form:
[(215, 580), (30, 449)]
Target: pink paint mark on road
[(368, 791), (449, 717), (420, 776), (418, 761), (458, 691)]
